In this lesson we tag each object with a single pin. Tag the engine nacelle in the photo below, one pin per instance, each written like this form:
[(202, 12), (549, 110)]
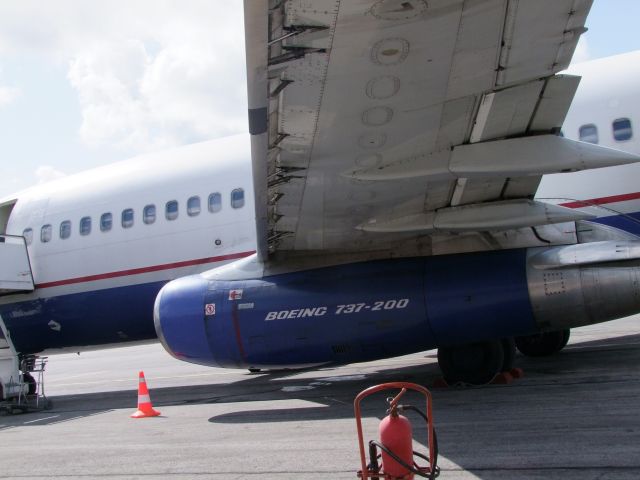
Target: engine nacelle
[(383, 308)]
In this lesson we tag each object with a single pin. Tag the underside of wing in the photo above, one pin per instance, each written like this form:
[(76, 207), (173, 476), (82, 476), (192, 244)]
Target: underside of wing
[(387, 122)]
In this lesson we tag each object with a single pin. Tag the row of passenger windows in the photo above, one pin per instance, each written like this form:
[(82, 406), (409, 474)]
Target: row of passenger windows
[(622, 131), (127, 217)]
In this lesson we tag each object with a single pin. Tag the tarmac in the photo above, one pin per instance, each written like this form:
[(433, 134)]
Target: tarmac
[(573, 416)]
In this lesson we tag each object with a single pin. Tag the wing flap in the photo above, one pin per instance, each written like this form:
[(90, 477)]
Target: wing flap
[(554, 102), (506, 112), (540, 38)]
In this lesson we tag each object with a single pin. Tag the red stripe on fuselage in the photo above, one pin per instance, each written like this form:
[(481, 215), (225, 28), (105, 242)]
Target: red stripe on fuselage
[(602, 200), (137, 271)]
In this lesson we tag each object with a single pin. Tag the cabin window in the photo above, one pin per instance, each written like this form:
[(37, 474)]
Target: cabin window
[(85, 225), (45, 233), (589, 133), (215, 202), (622, 129), (106, 222), (171, 210), (237, 198), (193, 206), (27, 233), (149, 214), (127, 218), (65, 229)]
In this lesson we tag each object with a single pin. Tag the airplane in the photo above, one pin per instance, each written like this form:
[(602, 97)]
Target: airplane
[(408, 182)]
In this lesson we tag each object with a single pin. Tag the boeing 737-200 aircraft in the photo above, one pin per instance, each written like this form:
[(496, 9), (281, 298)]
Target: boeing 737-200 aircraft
[(409, 182)]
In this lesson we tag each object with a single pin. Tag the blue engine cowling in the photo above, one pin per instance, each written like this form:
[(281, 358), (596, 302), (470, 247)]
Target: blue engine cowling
[(346, 313)]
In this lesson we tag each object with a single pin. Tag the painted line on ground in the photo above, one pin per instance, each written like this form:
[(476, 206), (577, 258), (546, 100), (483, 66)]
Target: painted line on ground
[(40, 419)]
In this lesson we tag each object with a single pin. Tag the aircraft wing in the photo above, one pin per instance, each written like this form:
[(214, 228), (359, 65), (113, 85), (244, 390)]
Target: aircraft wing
[(375, 122)]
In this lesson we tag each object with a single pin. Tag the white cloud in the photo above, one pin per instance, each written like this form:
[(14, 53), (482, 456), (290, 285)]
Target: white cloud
[(8, 95), (149, 74), (46, 173)]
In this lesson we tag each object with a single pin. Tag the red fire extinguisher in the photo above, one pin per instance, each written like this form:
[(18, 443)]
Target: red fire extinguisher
[(396, 435), (396, 438)]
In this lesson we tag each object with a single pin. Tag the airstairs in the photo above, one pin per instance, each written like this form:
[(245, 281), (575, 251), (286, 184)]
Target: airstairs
[(18, 389)]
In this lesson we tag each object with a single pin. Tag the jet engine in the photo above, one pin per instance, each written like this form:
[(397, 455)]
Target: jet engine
[(384, 308)]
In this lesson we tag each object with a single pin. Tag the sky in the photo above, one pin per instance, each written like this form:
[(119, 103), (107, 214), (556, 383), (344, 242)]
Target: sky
[(85, 83)]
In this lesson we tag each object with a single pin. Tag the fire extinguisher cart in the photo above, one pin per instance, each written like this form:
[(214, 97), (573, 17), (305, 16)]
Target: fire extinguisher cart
[(396, 451)]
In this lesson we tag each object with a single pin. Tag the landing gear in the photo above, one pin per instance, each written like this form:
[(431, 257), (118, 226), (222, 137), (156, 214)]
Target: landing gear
[(475, 363), (543, 344), (509, 349)]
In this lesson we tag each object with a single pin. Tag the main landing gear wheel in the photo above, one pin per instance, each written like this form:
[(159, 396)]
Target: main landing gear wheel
[(509, 350), (543, 344), (475, 363)]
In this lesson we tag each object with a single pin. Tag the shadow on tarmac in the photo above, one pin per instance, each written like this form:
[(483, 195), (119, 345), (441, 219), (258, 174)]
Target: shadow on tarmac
[(587, 362), (576, 410)]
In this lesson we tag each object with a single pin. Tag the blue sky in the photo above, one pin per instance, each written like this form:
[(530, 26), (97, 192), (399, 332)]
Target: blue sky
[(613, 27), (88, 83)]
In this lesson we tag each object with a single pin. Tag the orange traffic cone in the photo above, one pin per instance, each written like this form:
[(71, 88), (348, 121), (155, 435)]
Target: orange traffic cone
[(145, 409)]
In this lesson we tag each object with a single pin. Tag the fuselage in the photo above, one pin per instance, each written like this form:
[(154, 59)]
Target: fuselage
[(103, 243), (606, 111)]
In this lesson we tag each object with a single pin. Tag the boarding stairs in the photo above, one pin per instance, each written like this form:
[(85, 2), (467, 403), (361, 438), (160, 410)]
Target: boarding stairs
[(15, 278)]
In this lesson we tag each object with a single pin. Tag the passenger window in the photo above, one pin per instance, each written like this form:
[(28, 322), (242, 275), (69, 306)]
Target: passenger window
[(193, 206), (237, 198), (65, 229), (106, 222), (85, 225), (215, 202), (622, 129), (127, 218), (589, 133), (149, 214), (171, 210), (45, 233), (28, 235)]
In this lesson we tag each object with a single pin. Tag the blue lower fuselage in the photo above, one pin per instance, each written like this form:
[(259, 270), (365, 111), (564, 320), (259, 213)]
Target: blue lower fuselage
[(451, 298)]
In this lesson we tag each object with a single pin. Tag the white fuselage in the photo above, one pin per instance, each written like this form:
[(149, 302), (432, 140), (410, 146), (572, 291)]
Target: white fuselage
[(145, 248), (131, 253), (110, 272), (608, 92)]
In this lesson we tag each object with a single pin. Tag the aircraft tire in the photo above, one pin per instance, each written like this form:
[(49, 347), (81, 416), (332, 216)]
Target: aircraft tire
[(474, 363), (509, 349), (565, 340), (542, 344)]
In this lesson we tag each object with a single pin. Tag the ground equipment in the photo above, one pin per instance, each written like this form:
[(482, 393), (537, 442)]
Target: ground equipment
[(395, 460), (23, 391)]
